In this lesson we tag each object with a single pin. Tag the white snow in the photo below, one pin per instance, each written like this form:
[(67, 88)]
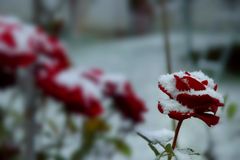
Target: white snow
[(162, 136), (173, 105), (22, 36), (72, 78), (10, 20), (181, 156), (117, 79)]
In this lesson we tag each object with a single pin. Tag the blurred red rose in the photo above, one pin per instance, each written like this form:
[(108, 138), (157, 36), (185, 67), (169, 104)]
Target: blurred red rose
[(78, 94), (124, 98), (15, 48)]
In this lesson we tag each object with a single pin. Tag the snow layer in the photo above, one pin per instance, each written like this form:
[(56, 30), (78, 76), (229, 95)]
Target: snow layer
[(161, 136), (22, 35), (117, 79), (73, 78), (173, 105)]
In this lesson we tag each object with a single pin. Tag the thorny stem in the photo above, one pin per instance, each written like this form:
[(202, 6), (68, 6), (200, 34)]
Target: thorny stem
[(176, 134)]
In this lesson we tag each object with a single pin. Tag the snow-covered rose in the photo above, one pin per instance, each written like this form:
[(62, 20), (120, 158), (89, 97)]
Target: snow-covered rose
[(124, 98), (117, 88), (188, 94), (15, 46), (24, 44), (78, 94)]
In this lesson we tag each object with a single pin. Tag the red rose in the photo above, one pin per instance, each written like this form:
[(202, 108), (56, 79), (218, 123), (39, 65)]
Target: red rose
[(50, 47), (22, 44), (15, 48), (70, 87), (190, 94), (124, 99), (119, 90)]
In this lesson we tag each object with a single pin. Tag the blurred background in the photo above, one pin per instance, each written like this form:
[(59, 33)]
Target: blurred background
[(133, 37)]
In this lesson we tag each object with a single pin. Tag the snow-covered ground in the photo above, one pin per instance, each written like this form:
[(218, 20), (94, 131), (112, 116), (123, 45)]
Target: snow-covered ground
[(142, 59)]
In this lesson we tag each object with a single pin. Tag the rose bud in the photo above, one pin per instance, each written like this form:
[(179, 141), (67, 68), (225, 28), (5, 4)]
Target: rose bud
[(189, 94)]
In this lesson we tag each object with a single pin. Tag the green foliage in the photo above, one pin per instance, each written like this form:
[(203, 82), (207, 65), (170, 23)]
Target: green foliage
[(154, 149), (121, 146), (168, 150), (231, 110), (95, 125)]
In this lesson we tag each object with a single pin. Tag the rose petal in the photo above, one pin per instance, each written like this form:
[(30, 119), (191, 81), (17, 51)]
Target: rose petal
[(208, 118), (8, 39), (179, 116), (194, 84), (165, 91), (160, 108), (180, 84), (205, 82), (198, 102)]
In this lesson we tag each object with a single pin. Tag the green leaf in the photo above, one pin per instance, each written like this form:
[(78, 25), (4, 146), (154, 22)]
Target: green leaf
[(121, 146), (150, 144), (169, 149), (144, 137), (154, 149), (231, 110)]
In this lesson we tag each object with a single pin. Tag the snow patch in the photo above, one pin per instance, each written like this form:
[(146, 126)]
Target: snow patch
[(162, 136)]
